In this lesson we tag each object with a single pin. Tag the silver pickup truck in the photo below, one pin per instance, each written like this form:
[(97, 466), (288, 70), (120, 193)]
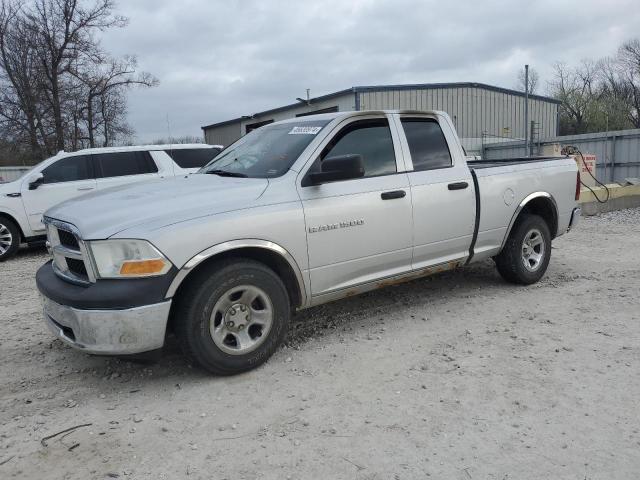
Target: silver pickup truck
[(294, 214)]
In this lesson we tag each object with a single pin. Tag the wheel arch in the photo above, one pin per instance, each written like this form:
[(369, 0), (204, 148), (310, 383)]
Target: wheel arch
[(271, 254), (10, 217), (538, 203)]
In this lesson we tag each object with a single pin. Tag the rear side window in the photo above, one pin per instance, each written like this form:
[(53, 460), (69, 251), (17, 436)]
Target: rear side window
[(429, 149), (122, 164), (369, 138), (68, 169), (193, 157)]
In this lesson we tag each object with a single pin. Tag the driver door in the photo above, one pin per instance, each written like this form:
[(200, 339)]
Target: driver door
[(64, 179), (359, 230)]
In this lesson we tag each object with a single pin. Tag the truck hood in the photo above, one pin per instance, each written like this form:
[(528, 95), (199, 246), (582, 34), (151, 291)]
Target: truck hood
[(10, 187), (155, 204)]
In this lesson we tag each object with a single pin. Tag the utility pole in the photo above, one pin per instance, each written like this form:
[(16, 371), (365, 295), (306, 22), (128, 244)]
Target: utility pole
[(526, 110), (606, 143), (532, 136)]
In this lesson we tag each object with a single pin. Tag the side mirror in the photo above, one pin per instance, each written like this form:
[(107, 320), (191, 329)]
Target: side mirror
[(36, 181), (341, 167)]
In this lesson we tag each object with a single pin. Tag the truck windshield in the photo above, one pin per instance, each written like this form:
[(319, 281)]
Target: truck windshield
[(267, 152)]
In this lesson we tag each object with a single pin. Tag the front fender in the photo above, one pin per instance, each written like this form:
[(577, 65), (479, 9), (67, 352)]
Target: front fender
[(238, 245)]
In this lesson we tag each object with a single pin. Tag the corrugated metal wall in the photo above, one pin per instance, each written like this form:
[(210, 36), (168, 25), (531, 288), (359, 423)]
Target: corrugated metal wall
[(9, 174), (227, 134), (473, 110), (617, 153), (343, 102), (222, 135)]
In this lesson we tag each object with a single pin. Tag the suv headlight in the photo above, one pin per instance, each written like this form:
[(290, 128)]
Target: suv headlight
[(127, 259)]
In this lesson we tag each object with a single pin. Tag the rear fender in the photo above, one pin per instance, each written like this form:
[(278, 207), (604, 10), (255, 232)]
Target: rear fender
[(548, 199)]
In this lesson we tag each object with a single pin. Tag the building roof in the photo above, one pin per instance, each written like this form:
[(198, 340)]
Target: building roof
[(383, 88)]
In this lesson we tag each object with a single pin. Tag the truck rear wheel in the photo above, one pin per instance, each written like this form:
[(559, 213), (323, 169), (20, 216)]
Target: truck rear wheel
[(233, 316), (526, 254), (9, 239)]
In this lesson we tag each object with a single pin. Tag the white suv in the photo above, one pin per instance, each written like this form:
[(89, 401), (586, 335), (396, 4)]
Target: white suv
[(68, 175)]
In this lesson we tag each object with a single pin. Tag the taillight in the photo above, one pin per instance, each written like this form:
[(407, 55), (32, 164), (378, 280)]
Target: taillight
[(577, 185)]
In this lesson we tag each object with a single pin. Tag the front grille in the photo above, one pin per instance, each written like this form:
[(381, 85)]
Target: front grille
[(70, 258), (68, 239), (77, 267)]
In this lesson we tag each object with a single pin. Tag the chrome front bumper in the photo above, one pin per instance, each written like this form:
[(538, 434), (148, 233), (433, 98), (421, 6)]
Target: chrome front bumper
[(109, 332), (575, 218)]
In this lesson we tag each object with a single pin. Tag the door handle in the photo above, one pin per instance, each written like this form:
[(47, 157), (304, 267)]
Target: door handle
[(393, 194), (83, 189), (458, 186)]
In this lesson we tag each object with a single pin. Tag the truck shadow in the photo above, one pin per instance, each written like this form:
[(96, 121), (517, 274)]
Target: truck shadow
[(413, 299), (25, 252), (364, 310)]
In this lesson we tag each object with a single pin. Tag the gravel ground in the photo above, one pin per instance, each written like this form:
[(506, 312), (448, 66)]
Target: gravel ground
[(457, 376)]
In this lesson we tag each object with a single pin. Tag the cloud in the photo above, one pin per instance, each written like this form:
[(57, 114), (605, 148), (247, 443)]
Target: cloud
[(221, 59)]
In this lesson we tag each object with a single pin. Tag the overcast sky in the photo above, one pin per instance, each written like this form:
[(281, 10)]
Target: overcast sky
[(217, 60)]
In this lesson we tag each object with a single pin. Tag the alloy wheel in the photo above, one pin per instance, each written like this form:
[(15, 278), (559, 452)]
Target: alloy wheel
[(241, 319), (533, 250), (6, 239)]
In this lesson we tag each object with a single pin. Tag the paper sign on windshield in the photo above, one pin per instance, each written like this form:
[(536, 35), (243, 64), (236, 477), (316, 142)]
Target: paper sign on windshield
[(304, 130)]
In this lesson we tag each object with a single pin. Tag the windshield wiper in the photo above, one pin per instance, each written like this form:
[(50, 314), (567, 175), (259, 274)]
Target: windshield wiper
[(226, 173)]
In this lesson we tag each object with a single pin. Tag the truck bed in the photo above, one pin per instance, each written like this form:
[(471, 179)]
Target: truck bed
[(501, 185), (480, 164)]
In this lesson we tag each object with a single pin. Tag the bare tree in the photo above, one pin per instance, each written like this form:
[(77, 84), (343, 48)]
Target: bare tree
[(629, 61), (178, 140), (615, 95), (576, 88), (20, 79), (63, 30), (533, 80), (113, 109), (103, 86), (58, 88)]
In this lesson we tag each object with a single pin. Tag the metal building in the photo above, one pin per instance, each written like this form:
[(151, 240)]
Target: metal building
[(481, 113)]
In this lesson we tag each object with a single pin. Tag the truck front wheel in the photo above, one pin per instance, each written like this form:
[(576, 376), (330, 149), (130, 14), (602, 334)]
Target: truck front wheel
[(232, 317), (526, 254), (9, 239)]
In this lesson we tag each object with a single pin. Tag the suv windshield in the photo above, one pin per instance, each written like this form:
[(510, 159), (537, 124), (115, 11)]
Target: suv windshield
[(266, 152)]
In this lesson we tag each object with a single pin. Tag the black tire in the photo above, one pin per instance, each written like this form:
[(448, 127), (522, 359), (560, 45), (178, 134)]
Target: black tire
[(8, 231), (510, 262), (197, 300)]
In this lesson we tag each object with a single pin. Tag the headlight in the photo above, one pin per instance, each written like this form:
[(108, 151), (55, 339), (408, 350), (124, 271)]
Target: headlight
[(128, 259)]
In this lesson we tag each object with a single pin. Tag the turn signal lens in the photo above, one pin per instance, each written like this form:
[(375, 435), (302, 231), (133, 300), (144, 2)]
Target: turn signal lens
[(142, 267)]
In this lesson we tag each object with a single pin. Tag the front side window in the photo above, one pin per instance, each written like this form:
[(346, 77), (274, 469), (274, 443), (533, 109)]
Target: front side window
[(267, 152), (369, 138), (122, 164), (428, 147), (69, 169), (193, 157)]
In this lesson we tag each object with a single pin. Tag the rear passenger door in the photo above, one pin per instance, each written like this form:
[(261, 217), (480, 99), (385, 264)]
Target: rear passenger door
[(441, 188), (121, 168)]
